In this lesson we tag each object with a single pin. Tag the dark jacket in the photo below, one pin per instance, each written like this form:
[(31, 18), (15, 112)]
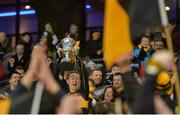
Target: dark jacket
[(92, 48), (27, 49), (18, 62)]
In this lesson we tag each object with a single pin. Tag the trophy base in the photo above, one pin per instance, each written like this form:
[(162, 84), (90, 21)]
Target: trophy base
[(65, 60), (66, 66)]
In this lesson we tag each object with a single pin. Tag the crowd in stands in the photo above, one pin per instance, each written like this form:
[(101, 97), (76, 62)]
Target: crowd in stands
[(132, 85)]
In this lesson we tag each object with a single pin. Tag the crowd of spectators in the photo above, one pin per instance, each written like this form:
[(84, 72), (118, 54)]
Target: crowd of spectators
[(132, 85)]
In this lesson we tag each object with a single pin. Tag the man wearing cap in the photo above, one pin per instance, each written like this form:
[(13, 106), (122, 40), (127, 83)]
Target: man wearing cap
[(94, 46)]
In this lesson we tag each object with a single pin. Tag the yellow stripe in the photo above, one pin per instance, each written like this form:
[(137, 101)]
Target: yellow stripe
[(5, 106), (83, 102)]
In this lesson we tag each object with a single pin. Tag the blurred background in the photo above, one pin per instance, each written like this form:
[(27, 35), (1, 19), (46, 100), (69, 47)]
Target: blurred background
[(18, 16)]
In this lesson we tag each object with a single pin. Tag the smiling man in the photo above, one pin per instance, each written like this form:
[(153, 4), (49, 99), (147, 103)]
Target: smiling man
[(76, 87)]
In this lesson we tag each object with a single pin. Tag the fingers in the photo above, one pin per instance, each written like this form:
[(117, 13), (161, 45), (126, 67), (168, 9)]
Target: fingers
[(11, 60), (39, 50), (45, 76), (37, 56), (44, 71), (59, 52)]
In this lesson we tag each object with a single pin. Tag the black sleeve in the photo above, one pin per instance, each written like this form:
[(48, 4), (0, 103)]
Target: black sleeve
[(84, 79), (144, 99), (142, 54), (130, 85), (57, 73)]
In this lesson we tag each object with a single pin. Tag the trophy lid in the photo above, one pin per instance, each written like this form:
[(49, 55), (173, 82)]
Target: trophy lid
[(67, 40)]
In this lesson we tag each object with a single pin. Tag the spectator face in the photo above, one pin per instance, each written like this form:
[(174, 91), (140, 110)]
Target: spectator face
[(108, 95), (145, 42), (48, 28), (43, 40), (115, 69), (14, 79), (96, 36), (73, 29), (117, 81), (96, 77), (26, 38), (20, 49), (74, 82), (158, 45)]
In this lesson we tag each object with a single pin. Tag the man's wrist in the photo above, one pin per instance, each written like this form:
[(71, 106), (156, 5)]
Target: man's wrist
[(28, 79)]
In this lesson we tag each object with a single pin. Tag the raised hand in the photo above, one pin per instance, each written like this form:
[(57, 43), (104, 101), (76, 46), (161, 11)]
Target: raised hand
[(44, 73), (11, 62), (124, 63), (33, 69), (59, 52)]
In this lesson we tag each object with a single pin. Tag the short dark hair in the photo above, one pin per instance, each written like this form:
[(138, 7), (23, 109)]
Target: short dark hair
[(117, 74), (26, 33), (20, 44), (19, 67), (15, 72), (115, 65), (95, 70), (145, 36)]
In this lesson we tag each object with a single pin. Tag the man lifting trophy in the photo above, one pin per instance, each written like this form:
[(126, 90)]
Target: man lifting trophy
[(69, 60), (68, 50)]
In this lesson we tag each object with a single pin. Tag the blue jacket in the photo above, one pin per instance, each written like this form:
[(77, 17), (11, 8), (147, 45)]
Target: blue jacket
[(143, 54)]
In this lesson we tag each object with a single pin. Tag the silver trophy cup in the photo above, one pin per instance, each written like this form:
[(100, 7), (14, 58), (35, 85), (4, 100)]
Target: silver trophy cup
[(67, 45)]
